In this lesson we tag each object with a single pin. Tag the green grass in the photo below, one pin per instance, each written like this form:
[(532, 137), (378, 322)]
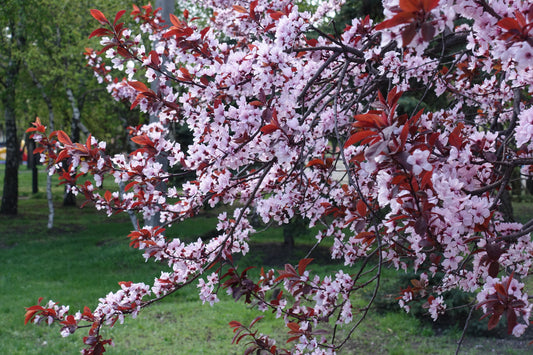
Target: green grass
[(86, 254)]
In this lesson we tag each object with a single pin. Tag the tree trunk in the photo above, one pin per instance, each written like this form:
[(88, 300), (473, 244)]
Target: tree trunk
[(69, 199), (50, 200), (10, 195), (32, 164), (167, 8), (48, 102)]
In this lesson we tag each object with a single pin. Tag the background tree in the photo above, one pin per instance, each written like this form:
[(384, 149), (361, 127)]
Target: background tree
[(62, 92), (13, 21)]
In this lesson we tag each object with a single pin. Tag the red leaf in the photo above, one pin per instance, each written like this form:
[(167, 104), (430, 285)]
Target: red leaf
[(63, 138), (30, 313), (175, 20), (87, 312), (369, 120), (295, 327), (99, 16), (234, 324), (142, 140), (314, 162), (99, 32), (137, 85), (410, 5), (154, 58), (408, 33), (511, 320), (276, 15), (421, 226), (186, 74), (426, 179), (269, 128), (402, 17), (509, 24), (428, 31), (404, 134), (361, 208), (302, 265), (240, 9), (258, 318), (69, 320), (494, 268), (357, 137), (62, 155), (429, 5), (455, 138), (130, 185), (108, 196), (118, 16), (493, 321), (256, 103)]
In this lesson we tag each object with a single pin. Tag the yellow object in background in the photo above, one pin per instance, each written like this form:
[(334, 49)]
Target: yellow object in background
[(3, 153)]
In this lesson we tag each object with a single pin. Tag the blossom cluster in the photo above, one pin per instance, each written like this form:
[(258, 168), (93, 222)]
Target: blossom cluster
[(288, 121)]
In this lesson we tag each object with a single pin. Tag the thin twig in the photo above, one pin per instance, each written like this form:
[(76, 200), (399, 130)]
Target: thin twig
[(464, 330)]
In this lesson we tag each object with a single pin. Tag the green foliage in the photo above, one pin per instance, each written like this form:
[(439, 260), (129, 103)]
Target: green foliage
[(55, 35), (358, 9)]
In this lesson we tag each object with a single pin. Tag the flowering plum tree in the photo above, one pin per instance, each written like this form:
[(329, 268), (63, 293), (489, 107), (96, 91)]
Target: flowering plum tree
[(277, 107)]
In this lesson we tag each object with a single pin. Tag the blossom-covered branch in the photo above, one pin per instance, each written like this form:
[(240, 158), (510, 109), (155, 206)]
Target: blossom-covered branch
[(288, 120)]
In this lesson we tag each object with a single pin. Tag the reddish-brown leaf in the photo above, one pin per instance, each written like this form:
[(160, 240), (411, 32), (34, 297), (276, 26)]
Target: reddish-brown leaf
[(63, 138), (257, 319), (429, 5), (30, 313), (408, 33), (421, 226), (269, 128), (276, 15), (235, 324), (154, 58), (130, 185), (137, 85), (99, 32), (314, 162), (509, 24), (361, 208), (426, 179), (185, 74), (493, 321), (302, 265), (118, 16), (358, 136), (402, 17), (410, 5), (295, 327), (428, 31), (455, 138), (494, 268), (240, 9), (142, 140), (99, 16), (62, 155), (256, 103)]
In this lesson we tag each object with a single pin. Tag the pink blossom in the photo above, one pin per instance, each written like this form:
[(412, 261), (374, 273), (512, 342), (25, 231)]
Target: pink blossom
[(419, 161)]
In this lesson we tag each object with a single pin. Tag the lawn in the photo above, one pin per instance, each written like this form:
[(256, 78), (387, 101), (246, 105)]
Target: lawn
[(84, 256)]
